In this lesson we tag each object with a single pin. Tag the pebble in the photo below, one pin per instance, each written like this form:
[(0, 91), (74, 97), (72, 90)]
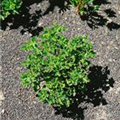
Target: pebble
[(40, 24), (1, 97), (118, 90), (110, 60), (2, 111)]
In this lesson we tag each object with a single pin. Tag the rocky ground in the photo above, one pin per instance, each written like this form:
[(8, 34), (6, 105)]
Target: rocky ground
[(101, 101)]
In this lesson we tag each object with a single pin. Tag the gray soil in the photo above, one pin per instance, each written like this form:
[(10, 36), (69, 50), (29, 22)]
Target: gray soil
[(101, 101)]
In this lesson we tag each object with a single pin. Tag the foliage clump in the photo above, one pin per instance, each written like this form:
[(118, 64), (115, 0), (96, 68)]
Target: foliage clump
[(57, 67), (8, 7), (84, 5)]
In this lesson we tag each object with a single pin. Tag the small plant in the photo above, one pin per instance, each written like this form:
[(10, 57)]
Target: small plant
[(57, 67), (9, 6), (83, 5)]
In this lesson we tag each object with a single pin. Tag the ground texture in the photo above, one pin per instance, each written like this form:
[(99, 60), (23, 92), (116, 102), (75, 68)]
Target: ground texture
[(101, 101)]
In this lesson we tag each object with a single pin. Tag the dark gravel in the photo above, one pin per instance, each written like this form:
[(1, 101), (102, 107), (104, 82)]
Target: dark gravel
[(102, 101)]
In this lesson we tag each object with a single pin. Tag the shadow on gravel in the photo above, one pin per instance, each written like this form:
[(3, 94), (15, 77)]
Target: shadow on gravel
[(28, 17), (98, 85), (96, 19), (25, 19), (62, 4)]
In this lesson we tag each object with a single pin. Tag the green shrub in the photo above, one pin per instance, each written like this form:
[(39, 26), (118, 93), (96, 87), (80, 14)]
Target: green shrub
[(83, 5), (56, 66), (9, 6)]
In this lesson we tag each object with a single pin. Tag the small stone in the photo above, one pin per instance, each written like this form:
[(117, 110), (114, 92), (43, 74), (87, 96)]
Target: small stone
[(25, 33), (110, 90), (2, 111), (110, 60), (39, 5), (109, 20), (117, 90), (40, 24), (65, 18), (1, 95), (30, 34), (7, 28), (103, 43), (116, 48)]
